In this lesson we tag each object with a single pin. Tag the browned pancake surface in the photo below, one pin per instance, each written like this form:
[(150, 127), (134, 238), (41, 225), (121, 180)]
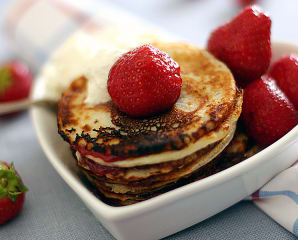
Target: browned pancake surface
[(240, 148), (212, 92)]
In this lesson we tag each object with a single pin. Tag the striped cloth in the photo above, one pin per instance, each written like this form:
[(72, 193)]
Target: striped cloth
[(279, 198), (34, 42)]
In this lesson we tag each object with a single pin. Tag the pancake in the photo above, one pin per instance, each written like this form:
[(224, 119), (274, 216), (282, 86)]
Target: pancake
[(209, 100), (146, 171), (237, 150), (154, 182), (133, 159)]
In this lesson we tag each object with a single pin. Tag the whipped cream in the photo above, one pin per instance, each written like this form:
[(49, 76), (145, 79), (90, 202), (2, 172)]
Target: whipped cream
[(91, 55), (97, 74)]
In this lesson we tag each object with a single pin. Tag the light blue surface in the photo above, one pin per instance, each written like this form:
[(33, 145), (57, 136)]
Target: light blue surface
[(53, 211)]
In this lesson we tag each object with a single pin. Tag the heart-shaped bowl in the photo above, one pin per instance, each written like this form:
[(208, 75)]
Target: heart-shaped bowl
[(182, 207)]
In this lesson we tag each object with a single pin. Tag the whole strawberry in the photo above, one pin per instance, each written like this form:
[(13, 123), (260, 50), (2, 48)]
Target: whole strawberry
[(15, 81), (144, 82), (285, 73), (244, 44), (12, 192), (266, 112)]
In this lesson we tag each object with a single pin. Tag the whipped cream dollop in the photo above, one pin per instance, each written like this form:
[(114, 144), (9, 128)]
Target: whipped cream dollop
[(91, 55), (97, 74)]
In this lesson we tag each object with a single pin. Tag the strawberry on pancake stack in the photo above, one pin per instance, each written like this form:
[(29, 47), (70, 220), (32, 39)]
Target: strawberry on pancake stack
[(174, 108)]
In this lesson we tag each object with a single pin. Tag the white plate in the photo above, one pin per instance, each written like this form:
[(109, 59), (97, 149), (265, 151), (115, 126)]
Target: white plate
[(180, 208)]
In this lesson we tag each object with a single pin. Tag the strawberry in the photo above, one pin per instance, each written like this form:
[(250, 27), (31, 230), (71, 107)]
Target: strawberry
[(12, 192), (285, 73), (266, 112), (144, 81), (15, 81), (246, 2), (244, 44)]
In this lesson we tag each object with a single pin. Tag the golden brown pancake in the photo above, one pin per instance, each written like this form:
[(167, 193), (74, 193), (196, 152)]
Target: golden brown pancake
[(208, 97), (189, 164), (161, 171), (238, 150), (133, 159)]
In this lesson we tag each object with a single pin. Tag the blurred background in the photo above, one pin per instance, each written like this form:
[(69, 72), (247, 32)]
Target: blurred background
[(191, 20)]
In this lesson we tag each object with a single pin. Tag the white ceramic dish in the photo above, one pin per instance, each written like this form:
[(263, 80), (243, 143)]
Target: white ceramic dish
[(178, 209)]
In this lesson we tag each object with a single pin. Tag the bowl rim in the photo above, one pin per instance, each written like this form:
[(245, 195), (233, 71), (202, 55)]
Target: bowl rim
[(124, 212)]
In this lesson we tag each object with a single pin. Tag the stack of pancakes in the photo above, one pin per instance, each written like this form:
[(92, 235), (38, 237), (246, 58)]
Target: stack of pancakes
[(132, 159)]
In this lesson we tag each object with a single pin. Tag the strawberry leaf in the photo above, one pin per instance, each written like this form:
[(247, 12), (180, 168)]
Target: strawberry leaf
[(3, 192), (10, 182), (3, 166), (23, 188), (12, 197), (12, 168)]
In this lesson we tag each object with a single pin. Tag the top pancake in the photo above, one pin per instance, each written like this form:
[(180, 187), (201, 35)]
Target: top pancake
[(208, 97)]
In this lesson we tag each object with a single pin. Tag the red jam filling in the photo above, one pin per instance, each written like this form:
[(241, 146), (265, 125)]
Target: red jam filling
[(98, 169), (105, 158)]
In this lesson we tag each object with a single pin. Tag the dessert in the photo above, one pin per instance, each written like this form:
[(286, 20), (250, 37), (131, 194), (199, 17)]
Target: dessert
[(131, 159), (133, 146)]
